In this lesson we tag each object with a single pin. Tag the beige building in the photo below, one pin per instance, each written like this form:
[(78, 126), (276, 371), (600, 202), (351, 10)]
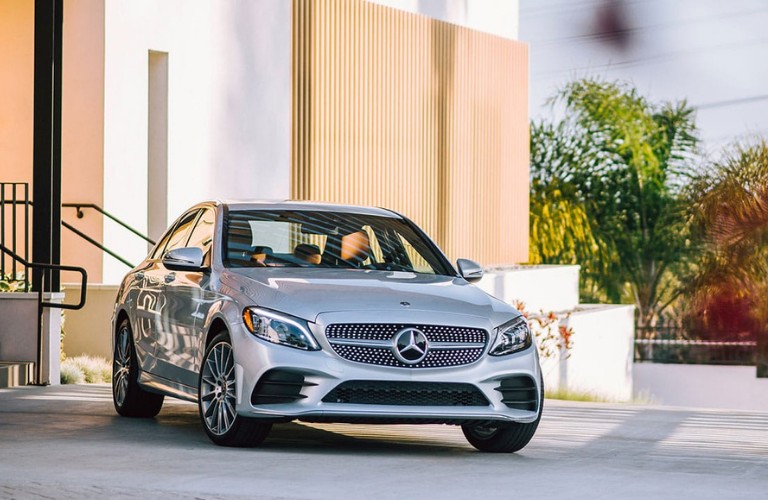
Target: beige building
[(414, 105), (417, 106)]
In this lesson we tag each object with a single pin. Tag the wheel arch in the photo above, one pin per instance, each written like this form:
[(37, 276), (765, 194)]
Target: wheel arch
[(218, 325), (120, 315)]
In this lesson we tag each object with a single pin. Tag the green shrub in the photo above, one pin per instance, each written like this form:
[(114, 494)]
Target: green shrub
[(13, 283), (570, 395), (71, 374), (93, 369)]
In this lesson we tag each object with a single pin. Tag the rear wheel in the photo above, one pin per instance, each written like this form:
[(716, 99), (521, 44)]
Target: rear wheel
[(503, 437), (129, 398), (217, 391)]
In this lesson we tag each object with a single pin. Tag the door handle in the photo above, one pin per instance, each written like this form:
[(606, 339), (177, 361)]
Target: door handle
[(170, 277)]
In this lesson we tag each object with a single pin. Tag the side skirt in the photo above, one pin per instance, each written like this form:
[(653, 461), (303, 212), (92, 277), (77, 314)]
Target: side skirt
[(161, 385)]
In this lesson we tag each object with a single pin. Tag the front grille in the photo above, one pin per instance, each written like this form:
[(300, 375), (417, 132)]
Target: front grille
[(448, 345), (385, 331), (279, 387), (384, 356), (376, 392), (519, 392)]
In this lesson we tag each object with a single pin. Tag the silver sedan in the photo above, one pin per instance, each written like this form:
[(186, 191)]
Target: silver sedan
[(268, 312)]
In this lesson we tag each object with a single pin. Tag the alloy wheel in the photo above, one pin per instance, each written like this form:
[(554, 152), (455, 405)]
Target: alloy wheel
[(122, 365), (217, 389)]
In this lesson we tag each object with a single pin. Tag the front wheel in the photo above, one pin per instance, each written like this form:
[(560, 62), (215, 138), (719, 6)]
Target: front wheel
[(503, 437), (217, 400)]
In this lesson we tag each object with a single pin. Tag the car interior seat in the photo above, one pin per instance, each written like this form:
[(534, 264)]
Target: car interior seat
[(308, 253), (355, 247), (259, 255)]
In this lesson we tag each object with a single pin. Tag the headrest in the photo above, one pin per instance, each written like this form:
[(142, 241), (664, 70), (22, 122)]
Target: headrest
[(355, 247), (308, 253), (259, 254)]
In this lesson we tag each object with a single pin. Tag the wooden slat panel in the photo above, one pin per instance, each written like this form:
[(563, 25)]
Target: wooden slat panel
[(406, 112)]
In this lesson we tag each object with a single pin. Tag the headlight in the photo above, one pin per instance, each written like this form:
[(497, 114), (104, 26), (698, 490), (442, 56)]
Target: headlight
[(512, 337), (279, 329)]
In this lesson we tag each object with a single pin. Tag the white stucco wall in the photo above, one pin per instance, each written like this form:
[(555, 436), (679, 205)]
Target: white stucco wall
[(547, 288), (702, 386), (499, 17), (229, 107), (600, 360)]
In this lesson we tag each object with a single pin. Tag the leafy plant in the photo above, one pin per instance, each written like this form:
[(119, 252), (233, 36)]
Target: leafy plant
[(552, 336), (71, 374), (62, 334), (730, 218), (607, 193), (93, 369), (569, 395), (13, 283)]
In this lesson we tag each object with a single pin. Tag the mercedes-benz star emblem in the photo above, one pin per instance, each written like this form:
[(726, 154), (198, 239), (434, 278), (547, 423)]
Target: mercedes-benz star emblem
[(410, 345)]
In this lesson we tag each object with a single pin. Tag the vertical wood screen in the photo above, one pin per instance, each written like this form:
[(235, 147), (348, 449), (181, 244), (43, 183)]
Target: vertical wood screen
[(430, 119)]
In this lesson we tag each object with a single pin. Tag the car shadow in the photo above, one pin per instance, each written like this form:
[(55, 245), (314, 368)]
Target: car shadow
[(293, 437), (181, 427)]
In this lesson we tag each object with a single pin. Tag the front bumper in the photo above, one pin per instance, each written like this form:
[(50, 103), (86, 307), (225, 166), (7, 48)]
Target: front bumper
[(320, 372)]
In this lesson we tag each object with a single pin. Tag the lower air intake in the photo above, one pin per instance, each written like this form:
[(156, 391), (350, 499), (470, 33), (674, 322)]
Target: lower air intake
[(373, 392), (519, 392), (279, 387)]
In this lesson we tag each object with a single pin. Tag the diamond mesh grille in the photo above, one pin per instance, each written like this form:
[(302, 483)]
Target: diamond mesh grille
[(385, 331), (436, 357)]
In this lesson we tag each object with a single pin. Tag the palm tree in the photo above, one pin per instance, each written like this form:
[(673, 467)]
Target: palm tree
[(606, 193), (730, 215)]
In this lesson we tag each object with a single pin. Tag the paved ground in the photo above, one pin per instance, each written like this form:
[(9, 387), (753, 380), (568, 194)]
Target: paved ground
[(67, 442)]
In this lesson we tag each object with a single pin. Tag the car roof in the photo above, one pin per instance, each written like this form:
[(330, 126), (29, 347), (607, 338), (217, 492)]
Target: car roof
[(306, 205)]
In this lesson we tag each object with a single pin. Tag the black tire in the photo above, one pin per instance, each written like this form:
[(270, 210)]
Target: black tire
[(216, 399), (507, 437), (129, 398)]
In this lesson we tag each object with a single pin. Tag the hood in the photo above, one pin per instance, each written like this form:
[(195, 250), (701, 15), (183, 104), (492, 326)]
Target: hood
[(306, 293)]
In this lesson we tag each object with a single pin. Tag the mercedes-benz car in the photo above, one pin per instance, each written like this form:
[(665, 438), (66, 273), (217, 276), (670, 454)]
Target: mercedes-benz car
[(268, 312)]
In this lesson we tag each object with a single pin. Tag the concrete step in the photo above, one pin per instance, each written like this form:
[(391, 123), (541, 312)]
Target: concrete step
[(14, 374)]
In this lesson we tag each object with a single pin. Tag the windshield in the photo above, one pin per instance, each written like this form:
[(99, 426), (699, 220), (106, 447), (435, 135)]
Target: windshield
[(283, 238)]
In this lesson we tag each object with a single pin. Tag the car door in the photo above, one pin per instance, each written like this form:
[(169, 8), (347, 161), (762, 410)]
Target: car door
[(164, 330), (148, 302), (189, 298)]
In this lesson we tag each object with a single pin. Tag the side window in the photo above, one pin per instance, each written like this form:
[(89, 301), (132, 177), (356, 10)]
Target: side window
[(181, 231), (419, 264), (202, 234), (158, 251), (178, 237)]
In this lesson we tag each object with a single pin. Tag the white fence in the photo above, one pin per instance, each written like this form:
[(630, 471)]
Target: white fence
[(552, 288), (600, 362), (701, 386)]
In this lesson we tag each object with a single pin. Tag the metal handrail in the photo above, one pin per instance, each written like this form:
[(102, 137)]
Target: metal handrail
[(14, 192), (97, 244), (80, 206), (51, 305)]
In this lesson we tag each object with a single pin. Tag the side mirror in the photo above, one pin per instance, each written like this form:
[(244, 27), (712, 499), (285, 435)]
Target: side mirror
[(184, 259), (469, 270)]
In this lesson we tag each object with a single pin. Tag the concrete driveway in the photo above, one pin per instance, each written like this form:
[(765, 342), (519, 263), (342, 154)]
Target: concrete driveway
[(67, 442)]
